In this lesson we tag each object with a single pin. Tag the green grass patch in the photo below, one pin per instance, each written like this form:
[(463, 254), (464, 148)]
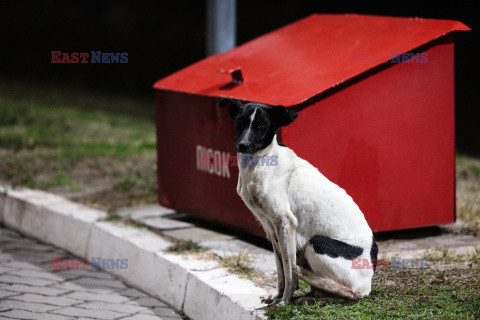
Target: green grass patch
[(185, 246), (40, 121), (239, 264), (402, 294), (442, 254), (124, 220), (59, 179), (112, 217), (100, 147), (74, 132), (302, 284), (446, 256)]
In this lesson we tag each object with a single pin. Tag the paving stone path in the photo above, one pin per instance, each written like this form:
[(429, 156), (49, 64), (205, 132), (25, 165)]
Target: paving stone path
[(31, 289)]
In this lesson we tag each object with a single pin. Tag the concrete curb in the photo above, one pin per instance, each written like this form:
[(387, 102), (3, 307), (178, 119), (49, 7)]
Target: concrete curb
[(202, 289)]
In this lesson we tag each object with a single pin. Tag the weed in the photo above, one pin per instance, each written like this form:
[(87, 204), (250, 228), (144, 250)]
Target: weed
[(185, 246), (129, 222), (239, 264), (112, 217), (303, 284), (441, 254), (124, 220)]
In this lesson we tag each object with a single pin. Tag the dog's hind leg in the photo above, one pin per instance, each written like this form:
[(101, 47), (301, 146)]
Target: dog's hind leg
[(326, 284)]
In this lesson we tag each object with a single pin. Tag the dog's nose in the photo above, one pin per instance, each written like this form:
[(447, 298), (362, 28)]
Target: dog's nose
[(242, 147)]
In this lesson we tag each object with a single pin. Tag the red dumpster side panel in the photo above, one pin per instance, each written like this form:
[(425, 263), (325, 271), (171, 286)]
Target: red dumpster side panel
[(188, 124), (388, 140)]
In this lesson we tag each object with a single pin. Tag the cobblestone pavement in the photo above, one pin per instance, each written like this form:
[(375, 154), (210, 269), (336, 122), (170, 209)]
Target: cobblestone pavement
[(31, 289)]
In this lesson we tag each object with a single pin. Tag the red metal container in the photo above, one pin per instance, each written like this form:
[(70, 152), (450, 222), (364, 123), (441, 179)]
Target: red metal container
[(374, 119)]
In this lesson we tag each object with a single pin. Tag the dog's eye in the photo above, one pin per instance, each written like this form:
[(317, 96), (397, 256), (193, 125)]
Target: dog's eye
[(262, 124), (240, 122)]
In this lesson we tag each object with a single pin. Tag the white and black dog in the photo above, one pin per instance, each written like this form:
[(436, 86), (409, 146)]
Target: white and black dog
[(315, 227)]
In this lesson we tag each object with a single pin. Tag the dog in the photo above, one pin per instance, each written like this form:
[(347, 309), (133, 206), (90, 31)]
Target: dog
[(315, 227)]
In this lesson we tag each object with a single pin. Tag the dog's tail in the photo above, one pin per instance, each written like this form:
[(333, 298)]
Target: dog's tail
[(326, 284)]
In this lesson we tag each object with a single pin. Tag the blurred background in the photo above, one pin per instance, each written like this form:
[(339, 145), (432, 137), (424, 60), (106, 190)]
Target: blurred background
[(87, 131), (162, 37)]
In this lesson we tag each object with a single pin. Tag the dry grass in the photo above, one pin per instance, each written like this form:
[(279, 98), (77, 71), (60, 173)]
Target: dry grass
[(468, 191)]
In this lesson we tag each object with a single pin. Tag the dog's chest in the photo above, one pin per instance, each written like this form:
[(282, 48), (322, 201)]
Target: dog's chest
[(252, 190)]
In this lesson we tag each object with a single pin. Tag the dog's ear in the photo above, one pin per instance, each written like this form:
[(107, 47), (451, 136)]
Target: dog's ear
[(234, 106), (283, 116)]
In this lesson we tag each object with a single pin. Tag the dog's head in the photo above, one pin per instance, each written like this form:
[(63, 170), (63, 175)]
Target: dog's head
[(256, 123)]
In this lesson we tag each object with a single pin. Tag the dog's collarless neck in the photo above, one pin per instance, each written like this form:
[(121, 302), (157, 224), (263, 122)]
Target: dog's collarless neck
[(268, 150)]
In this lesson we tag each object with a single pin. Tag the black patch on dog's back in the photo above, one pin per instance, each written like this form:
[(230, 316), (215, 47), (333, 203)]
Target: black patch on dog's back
[(335, 248), (374, 252)]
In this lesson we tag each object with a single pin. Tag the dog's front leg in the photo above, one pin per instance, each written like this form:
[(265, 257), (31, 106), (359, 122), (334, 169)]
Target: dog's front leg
[(280, 272), (270, 231), (275, 297), (286, 234)]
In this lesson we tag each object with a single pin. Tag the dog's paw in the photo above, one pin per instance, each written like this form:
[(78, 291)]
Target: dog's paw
[(270, 299), (280, 303), (275, 300), (357, 296), (297, 270)]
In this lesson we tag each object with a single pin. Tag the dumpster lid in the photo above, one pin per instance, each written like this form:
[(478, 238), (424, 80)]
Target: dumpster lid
[(294, 63)]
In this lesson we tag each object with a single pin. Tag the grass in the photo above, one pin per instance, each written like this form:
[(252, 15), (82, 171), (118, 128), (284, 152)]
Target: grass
[(90, 148), (444, 291), (445, 255), (303, 284), (468, 191), (475, 169), (440, 255), (124, 220), (239, 264), (185, 246)]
